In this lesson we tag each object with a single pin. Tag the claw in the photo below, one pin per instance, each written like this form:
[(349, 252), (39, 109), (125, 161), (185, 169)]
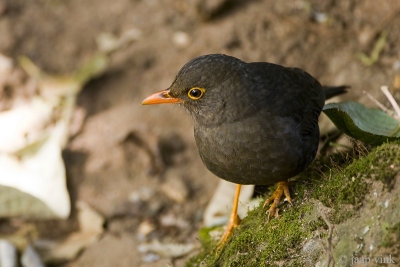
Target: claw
[(283, 188)]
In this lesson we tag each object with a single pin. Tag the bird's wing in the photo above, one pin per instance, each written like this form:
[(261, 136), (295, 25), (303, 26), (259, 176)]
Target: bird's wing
[(289, 92)]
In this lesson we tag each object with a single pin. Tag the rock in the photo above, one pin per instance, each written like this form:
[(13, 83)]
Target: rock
[(89, 220), (166, 249), (173, 187), (30, 258)]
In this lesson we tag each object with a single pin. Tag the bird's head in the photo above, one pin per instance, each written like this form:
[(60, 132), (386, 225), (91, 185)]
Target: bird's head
[(211, 87)]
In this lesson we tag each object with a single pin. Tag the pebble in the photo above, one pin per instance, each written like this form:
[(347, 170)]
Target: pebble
[(144, 194), (387, 203), (150, 257), (319, 17), (366, 229), (181, 39), (170, 219), (145, 228)]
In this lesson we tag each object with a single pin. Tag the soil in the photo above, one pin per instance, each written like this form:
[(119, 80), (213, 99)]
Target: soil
[(126, 151)]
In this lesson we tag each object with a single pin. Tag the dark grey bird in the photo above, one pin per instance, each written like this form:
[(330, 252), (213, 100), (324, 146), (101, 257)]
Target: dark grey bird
[(254, 123)]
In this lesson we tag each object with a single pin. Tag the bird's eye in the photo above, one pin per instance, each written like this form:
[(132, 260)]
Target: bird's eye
[(196, 93)]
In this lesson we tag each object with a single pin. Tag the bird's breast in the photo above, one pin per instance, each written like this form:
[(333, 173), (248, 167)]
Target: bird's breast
[(251, 151)]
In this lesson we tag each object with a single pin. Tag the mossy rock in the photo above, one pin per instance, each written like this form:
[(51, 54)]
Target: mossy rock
[(342, 213)]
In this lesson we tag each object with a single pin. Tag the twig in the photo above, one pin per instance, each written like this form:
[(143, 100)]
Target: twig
[(391, 99), (379, 104), (374, 56)]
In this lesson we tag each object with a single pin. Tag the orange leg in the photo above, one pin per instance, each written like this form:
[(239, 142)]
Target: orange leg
[(234, 219), (283, 188)]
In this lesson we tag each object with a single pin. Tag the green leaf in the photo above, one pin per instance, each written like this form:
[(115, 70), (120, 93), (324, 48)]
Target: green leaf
[(371, 126)]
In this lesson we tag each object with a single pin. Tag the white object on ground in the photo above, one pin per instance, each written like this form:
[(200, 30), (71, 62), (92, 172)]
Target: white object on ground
[(220, 206), (30, 155), (8, 254), (30, 258)]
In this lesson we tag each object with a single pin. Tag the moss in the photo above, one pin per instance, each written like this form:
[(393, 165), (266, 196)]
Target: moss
[(392, 236), (344, 190), (339, 182), (274, 240), (205, 236)]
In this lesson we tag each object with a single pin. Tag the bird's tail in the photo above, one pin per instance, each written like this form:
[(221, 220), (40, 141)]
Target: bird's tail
[(331, 91)]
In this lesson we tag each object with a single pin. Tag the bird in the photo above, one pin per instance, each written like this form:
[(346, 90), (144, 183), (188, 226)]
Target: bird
[(254, 123)]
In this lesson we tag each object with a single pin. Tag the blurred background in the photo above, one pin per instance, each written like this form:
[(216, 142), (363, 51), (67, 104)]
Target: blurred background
[(88, 176)]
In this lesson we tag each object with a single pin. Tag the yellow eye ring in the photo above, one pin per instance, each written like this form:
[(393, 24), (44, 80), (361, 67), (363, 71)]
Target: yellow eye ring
[(196, 93)]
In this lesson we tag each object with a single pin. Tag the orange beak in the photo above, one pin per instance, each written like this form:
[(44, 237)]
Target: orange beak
[(160, 97)]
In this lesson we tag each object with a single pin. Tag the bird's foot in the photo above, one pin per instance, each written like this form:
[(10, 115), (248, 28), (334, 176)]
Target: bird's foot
[(283, 188), (234, 222)]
